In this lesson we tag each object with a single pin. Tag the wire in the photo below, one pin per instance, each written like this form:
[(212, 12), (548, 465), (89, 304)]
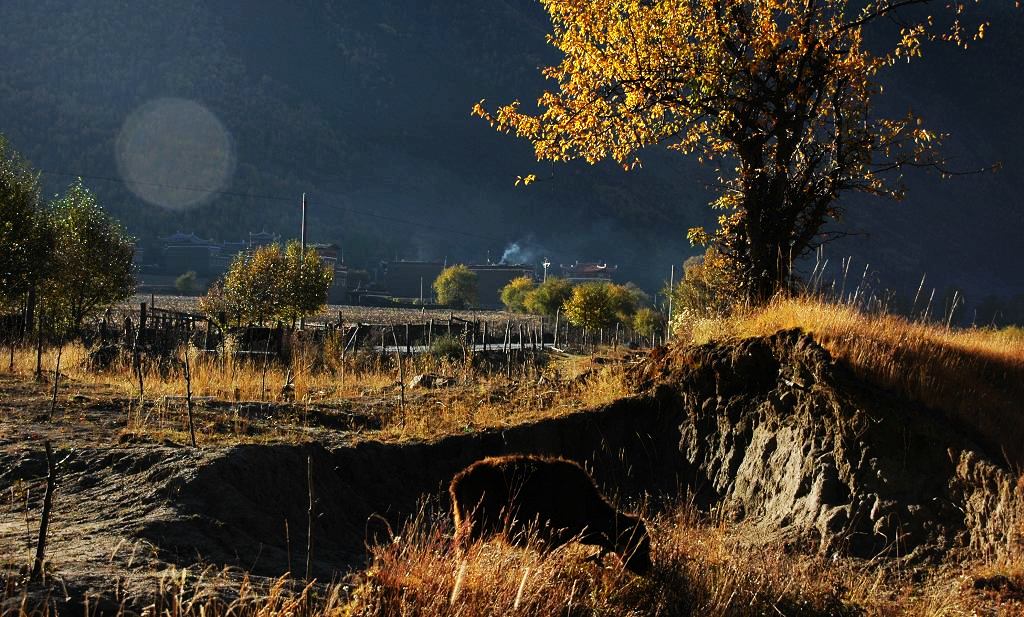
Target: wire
[(383, 217)]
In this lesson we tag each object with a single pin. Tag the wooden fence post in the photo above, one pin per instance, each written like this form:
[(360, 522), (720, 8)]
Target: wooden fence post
[(44, 522), (401, 377), (188, 398), (558, 313), (310, 517)]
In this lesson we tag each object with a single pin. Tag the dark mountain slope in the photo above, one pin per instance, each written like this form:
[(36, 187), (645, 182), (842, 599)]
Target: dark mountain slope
[(365, 107)]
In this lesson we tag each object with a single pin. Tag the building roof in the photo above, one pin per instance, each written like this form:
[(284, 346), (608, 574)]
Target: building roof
[(182, 238), (588, 267)]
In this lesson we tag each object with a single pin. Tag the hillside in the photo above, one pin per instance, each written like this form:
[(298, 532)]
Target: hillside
[(365, 107)]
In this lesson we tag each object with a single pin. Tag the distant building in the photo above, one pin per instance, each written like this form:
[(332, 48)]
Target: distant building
[(406, 279), (491, 278), (221, 262), (262, 238), (588, 272), (184, 252), (328, 253)]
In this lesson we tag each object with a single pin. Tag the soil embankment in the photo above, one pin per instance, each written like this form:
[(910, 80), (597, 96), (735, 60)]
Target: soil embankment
[(247, 505), (774, 431), (770, 430)]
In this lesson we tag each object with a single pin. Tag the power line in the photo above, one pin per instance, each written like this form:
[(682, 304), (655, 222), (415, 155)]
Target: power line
[(440, 230)]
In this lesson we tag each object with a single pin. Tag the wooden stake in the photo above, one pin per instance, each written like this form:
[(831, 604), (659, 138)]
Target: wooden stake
[(188, 398), (44, 523), (39, 347), (401, 377), (558, 313), (311, 516), (56, 378)]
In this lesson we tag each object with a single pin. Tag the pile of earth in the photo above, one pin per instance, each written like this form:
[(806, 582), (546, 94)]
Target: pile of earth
[(774, 431), (767, 430)]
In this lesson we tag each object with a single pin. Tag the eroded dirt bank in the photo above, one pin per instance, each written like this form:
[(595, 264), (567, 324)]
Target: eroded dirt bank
[(247, 505), (774, 431), (770, 430)]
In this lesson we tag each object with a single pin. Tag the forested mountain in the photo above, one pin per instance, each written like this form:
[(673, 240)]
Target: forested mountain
[(365, 106)]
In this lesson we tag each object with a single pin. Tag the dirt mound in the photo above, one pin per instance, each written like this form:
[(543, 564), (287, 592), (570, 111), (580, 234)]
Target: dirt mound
[(769, 430), (775, 432), (246, 506)]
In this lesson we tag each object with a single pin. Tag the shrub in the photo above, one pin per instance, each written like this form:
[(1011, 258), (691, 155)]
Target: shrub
[(590, 306), (707, 290), (456, 287), (647, 321), (186, 283), (446, 347), (272, 284), (548, 297), (514, 295)]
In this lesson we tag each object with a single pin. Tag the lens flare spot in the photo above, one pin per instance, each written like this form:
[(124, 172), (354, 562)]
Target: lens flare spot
[(174, 153)]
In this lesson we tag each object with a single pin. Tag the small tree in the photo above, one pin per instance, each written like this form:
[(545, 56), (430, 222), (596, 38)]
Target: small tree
[(548, 297), (625, 300), (252, 285), (272, 284), (513, 295), (590, 306), (456, 286), (307, 282), (24, 231), (91, 264), (186, 283), (647, 321), (217, 301), (708, 288)]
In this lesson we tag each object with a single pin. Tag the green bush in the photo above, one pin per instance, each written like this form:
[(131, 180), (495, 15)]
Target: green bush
[(514, 295), (456, 287), (446, 347)]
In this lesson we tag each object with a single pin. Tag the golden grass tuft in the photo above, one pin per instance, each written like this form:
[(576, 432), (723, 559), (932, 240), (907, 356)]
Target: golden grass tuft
[(976, 374), (700, 568)]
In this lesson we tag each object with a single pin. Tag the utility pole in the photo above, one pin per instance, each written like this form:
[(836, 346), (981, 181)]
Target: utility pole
[(302, 233), (671, 284), (546, 264), (302, 253)]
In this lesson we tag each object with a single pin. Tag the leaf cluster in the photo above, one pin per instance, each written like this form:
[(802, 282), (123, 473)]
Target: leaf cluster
[(68, 258), (271, 284), (456, 286), (602, 304), (523, 295)]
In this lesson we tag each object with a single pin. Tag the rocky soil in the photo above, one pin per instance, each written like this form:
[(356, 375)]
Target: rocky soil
[(774, 431)]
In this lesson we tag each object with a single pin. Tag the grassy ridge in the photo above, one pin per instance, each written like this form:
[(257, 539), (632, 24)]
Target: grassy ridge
[(974, 375)]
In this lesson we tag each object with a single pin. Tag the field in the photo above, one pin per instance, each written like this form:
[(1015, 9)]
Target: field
[(349, 313), (141, 519)]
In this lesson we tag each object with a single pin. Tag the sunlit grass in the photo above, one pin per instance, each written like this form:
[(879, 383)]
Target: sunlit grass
[(700, 568), (474, 399), (975, 373)]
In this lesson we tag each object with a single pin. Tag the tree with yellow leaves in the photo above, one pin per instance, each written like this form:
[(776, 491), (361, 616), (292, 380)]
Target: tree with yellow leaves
[(776, 94)]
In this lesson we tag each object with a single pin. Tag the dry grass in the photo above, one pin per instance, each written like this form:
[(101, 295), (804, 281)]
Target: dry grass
[(977, 374), (699, 569), (476, 398), (187, 593)]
